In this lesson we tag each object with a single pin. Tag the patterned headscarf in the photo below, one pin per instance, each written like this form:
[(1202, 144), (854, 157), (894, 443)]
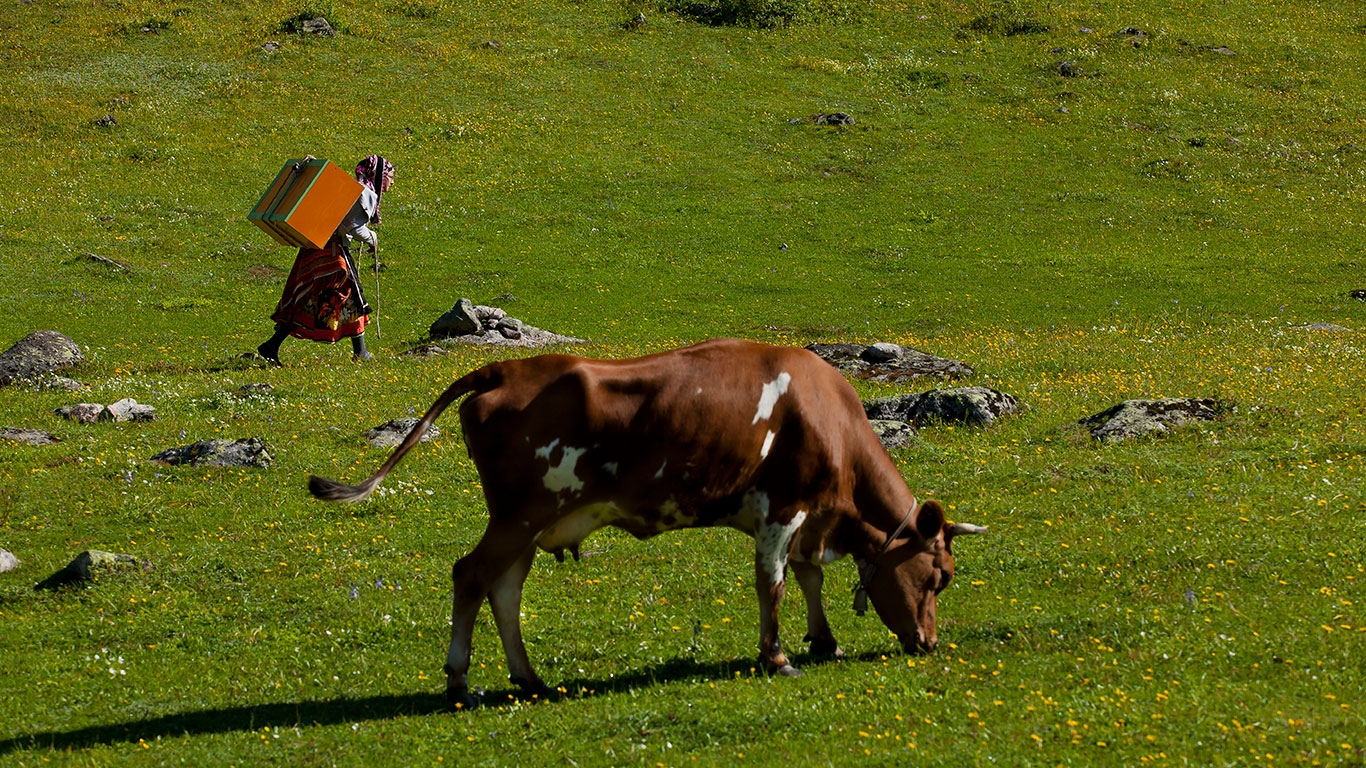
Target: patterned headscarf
[(368, 172)]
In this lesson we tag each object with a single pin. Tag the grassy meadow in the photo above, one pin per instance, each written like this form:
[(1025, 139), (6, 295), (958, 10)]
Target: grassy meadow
[(1183, 214)]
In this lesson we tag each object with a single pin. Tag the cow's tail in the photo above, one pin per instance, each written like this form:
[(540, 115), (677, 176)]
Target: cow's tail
[(331, 490)]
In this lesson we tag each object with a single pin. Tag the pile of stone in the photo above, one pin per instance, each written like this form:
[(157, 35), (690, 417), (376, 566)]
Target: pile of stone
[(470, 323), (126, 409), (888, 362), (1136, 418), (977, 406), (251, 452)]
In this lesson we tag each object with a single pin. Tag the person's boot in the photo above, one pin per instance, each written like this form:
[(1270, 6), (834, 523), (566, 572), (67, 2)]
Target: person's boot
[(358, 350), (271, 349)]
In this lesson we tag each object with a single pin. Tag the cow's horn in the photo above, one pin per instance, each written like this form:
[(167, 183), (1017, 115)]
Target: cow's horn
[(961, 528)]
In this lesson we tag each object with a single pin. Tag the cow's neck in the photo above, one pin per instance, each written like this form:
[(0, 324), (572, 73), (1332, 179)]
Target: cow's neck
[(883, 500)]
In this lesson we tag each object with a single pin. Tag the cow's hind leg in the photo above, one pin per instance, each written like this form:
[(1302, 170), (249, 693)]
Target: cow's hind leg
[(811, 578), (472, 578), (505, 598)]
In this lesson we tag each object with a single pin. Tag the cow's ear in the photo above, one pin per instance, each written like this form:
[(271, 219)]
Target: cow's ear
[(929, 519)]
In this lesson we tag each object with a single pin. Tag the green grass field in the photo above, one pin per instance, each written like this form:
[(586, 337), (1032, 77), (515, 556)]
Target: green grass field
[(1165, 222)]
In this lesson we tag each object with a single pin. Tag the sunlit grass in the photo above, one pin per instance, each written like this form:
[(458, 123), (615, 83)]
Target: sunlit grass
[(1191, 599)]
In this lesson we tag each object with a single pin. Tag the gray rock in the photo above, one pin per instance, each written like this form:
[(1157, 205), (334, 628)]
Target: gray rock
[(259, 389), (510, 328), (28, 436), (8, 562), (1068, 69), (128, 409), (391, 433), (251, 452), (1134, 418), (318, 26), (487, 314), (909, 364), (1329, 327), (972, 405), (833, 118), (89, 566), (461, 320), (893, 433), (85, 413), (882, 352), (531, 337), (38, 353)]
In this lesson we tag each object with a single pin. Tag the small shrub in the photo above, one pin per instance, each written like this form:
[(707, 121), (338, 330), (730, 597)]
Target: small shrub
[(762, 14), (1007, 18)]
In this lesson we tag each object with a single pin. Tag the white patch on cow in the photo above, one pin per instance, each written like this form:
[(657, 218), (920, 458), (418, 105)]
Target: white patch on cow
[(772, 541), (560, 477), (610, 468), (699, 391), (768, 444), (768, 397), (660, 473)]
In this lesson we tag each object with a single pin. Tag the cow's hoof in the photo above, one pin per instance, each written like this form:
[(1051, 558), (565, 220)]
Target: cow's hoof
[(533, 688), (826, 649), (460, 698), (787, 670)]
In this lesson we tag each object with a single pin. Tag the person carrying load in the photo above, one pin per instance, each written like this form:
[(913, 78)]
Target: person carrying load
[(322, 299)]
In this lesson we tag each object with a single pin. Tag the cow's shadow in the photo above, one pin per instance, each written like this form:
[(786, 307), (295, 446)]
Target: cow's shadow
[(364, 709)]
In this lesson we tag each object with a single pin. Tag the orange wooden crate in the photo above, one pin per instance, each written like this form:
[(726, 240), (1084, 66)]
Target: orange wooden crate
[(305, 203)]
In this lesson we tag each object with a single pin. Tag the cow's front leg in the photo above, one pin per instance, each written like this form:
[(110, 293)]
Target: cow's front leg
[(772, 541), (472, 578), (770, 590), (505, 598), (811, 578)]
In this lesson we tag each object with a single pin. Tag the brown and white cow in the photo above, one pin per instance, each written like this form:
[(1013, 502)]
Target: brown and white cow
[(768, 440)]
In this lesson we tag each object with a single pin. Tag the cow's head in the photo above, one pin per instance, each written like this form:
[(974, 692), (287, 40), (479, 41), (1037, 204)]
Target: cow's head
[(910, 574)]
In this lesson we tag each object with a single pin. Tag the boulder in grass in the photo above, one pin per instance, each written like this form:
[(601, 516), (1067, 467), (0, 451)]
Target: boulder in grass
[(89, 566), (893, 433), (1135, 418), (251, 452), (459, 321), (888, 362), (128, 409), (391, 433), (28, 436), (8, 562), (980, 406), (85, 413), (39, 353)]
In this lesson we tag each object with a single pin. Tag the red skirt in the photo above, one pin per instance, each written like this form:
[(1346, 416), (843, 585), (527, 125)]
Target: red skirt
[(322, 300)]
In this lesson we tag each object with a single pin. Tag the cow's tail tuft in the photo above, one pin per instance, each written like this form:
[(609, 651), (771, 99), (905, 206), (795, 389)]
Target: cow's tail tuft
[(331, 490)]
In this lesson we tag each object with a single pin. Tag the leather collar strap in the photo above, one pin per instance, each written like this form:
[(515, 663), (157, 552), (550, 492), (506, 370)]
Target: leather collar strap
[(866, 573)]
